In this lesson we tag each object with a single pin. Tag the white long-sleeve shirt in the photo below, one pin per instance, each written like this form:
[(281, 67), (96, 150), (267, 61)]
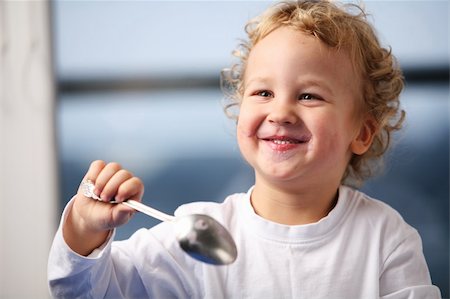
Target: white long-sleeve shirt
[(361, 249)]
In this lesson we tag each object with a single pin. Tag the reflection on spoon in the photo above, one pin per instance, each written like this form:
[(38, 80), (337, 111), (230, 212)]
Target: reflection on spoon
[(200, 236)]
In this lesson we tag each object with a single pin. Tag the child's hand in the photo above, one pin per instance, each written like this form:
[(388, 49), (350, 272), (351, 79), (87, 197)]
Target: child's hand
[(89, 221)]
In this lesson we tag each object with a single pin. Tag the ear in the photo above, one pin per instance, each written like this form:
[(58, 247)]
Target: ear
[(365, 136)]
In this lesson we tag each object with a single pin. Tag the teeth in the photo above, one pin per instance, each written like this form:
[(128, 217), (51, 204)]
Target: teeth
[(281, 141)]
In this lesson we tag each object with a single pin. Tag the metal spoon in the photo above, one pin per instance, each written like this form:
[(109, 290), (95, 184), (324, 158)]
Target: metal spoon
[(200, 236)]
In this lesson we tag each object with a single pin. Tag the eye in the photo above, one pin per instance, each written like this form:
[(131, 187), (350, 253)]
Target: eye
[(264, 93), (308, 97)]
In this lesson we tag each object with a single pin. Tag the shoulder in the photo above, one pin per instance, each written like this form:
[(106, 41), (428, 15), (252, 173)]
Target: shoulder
[(373, 211), (383, 223), (402, 267)]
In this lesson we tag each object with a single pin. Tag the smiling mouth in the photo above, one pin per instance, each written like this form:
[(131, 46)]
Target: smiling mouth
[(286, 140), (283, 144)]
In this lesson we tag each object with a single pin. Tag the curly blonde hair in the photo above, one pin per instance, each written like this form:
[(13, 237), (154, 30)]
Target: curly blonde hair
[(340, 26)]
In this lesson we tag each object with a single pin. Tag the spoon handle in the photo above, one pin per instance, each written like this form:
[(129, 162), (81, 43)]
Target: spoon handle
[(148, 210), (88, 191)]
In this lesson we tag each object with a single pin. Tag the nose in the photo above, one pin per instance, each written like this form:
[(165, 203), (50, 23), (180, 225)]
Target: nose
[(283, 113)]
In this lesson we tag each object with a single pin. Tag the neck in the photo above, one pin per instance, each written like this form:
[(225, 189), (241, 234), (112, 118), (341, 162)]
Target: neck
[(293, 206)]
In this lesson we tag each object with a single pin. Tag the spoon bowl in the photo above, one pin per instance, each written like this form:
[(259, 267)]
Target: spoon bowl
[(205, 239), (200, 236)]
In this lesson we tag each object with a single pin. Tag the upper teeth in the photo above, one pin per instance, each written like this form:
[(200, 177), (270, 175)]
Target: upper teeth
[(281, 141)]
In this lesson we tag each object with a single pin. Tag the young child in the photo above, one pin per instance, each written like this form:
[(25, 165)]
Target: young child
[(317, 98)]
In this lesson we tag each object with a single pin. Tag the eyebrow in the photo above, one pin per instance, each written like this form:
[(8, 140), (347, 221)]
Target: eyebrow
[(256, 79), (318, 83)]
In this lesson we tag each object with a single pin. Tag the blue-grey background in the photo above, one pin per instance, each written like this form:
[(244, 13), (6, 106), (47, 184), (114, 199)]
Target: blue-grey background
[(138, 83)]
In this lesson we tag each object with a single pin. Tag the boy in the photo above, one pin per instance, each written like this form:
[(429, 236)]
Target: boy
[(317, 98)]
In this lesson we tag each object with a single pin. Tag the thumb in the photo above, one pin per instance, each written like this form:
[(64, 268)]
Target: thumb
[(121, 214)]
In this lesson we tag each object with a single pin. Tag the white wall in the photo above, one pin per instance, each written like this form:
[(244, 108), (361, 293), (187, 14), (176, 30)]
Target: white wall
[(28, 182)]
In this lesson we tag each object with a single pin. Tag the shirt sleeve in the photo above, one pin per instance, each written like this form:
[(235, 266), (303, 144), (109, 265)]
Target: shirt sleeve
[(121, 269), (405, 273), (71, 275)]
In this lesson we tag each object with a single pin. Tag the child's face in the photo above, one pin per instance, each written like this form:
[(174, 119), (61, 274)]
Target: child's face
[(298, 117)]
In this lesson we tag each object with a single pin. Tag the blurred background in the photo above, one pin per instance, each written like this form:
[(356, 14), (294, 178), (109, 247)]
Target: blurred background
[(137, 82)]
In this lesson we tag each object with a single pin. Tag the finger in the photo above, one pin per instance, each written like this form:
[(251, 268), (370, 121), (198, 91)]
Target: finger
[(94, 169), (133, 188), (104, 176), (121, 214), (112, 186)]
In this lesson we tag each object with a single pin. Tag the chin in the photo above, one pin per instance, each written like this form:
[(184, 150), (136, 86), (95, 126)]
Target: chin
[(280, 175)]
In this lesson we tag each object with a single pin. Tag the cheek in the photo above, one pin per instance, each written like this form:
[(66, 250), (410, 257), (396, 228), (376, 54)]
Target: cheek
[(331, 133), (244, 140), (243, 128), (248, 122), (243, 131)]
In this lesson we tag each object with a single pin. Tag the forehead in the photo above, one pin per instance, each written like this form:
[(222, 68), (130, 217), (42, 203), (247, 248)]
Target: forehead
[(286, 51)]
